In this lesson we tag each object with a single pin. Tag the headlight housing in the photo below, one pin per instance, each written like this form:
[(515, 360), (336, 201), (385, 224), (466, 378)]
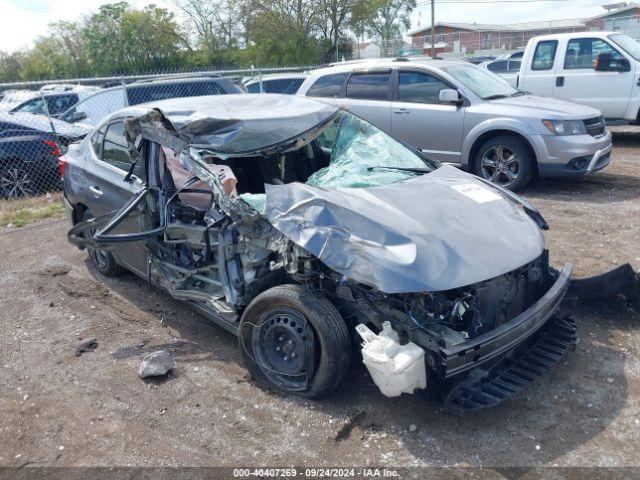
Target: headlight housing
[(565, 127)]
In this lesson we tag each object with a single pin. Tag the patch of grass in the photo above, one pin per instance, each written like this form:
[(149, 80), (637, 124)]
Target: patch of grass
[(19, 212)]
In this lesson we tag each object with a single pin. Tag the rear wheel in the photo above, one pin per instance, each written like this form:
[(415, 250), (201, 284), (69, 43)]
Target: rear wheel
[(505, 161), (103, 261), (16, 181), (295, 341)]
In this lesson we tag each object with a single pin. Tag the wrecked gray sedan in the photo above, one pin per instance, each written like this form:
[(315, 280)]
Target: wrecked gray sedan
[(305, 230)]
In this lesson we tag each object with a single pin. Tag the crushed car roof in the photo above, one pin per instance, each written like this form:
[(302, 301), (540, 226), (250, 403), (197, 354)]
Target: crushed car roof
[(234, 124)]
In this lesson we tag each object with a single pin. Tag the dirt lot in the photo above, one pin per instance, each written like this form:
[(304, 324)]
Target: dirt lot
[(58, 409)]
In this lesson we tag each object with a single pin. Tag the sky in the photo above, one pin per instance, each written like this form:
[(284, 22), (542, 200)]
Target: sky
[(25, 20)]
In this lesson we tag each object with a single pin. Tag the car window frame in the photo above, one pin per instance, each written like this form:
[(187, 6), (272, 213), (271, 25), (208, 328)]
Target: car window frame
[(137, 173), (101, 130), (504, 62), (49, 99), (341, 91), (509, 62), (396, 84), (369, 71), (553, 58), (18, 108), (566, 51)]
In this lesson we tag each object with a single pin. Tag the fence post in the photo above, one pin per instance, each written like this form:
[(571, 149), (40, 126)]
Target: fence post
[(124, 91), (260, 80)]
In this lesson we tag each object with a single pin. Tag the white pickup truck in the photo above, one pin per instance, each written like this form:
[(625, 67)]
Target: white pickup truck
[(598, 69)]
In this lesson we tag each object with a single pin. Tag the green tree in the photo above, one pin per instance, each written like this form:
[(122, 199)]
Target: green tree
[(387, 22), (216, 29), (121, 39), (336, 19), (11, 65)]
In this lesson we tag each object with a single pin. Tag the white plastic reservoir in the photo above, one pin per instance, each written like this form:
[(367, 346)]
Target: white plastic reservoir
[(395, 368)]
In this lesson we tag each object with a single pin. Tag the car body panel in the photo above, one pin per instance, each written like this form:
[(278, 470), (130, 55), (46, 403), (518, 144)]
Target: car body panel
[(390, 238)]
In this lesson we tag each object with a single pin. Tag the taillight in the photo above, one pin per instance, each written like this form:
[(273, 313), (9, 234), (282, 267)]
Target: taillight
[(55, 150), (62, 166)]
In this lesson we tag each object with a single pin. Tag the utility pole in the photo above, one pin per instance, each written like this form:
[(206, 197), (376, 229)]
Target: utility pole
[(433, 29)]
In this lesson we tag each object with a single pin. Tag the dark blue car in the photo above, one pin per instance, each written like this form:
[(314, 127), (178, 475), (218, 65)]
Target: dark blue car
[(30, 146)]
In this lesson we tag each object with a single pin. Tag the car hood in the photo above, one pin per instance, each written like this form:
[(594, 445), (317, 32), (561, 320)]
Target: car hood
[(545, 107), (438, 231)]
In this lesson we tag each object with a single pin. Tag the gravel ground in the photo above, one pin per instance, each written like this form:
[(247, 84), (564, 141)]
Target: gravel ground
[(59, 409)]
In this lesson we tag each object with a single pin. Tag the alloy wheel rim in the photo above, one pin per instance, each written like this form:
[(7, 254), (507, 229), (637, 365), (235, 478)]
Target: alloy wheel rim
[(15, 182), (500, 165), (99, 257)]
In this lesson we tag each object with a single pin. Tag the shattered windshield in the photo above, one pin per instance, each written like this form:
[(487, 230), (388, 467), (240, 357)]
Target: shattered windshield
[(364, 156), (360, 155)]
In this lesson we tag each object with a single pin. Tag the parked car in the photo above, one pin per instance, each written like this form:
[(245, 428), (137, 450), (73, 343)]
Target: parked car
[(598, 69), (29, 152), (287, 83), (322, 237), (54, 101), (95, 108), (507, 66), (12, 97), (459, 113)]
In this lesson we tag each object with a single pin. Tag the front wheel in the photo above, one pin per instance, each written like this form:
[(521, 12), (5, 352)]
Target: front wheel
[(295, 341), (505, 161)]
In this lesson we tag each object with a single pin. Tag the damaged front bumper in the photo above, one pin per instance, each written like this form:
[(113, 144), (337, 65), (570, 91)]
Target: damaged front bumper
[(499, 341), (484, 388)]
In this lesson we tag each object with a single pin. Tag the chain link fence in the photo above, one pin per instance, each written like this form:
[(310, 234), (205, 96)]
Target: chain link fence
[(38, 120)]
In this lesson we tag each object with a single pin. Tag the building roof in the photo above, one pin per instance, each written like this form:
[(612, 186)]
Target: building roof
[(513, 27), (610, 12)]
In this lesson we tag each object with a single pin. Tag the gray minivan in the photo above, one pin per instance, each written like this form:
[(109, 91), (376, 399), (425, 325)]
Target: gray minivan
[(461, 114)]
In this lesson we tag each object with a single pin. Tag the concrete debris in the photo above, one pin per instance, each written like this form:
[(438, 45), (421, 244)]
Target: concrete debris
[(156, 364)]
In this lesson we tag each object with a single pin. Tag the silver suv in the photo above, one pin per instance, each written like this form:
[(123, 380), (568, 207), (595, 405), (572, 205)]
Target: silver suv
[(464, 115)]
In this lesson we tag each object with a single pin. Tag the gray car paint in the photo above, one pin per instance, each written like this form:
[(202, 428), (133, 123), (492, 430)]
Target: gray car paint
[(412, 236), (235, 124)]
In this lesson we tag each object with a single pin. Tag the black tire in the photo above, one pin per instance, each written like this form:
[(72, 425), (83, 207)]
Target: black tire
[(289, 321), (102, 261), (513, 169), (16, 180)]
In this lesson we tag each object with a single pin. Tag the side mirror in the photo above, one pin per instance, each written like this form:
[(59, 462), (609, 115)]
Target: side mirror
[(449, 95), (605, 62), (624, 65), (77, 116)]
